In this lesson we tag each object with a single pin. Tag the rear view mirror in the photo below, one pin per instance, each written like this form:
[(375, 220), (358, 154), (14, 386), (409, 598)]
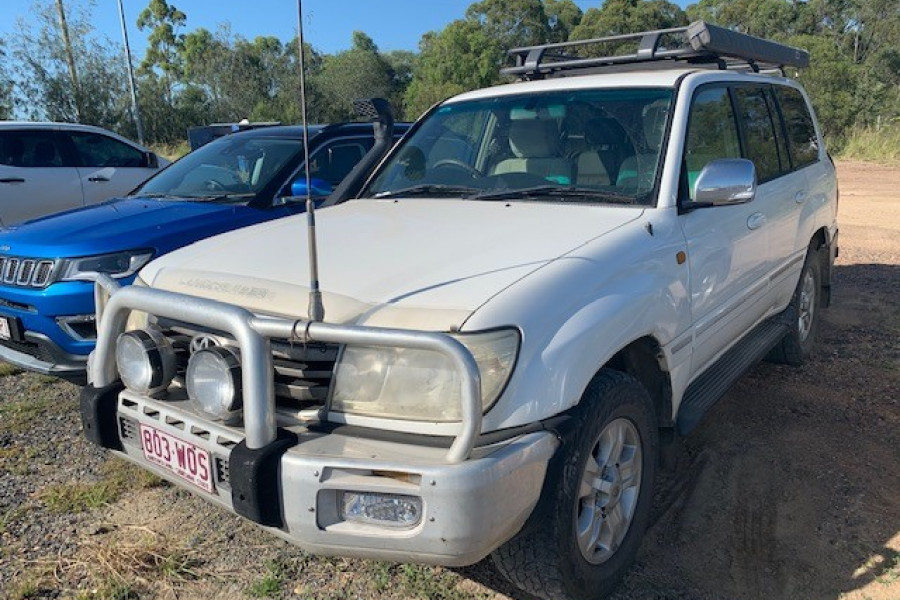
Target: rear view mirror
[(724, 182), (317, 187)]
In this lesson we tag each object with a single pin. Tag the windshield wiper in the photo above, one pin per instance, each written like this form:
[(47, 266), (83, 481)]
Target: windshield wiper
[(221, 197), (558, 193), (428, 189)]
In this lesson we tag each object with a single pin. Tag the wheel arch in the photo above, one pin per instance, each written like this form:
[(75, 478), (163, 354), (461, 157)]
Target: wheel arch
[(644, 360)]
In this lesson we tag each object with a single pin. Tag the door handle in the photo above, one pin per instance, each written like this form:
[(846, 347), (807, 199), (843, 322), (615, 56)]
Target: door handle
[(12, 180), (800, 197), (756, 220), (97, 178)]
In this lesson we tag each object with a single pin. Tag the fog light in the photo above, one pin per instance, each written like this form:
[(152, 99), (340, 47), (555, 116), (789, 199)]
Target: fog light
[(213, 381), (145, 360), (388, 510)]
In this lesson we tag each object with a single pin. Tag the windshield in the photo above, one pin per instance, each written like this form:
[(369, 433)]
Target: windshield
[(569, 146), (235, 167)]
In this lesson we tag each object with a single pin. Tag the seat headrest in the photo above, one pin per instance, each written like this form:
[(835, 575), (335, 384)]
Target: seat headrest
[(534, 138)]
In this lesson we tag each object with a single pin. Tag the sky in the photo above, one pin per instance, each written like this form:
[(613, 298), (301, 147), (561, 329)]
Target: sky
[(327, 24)]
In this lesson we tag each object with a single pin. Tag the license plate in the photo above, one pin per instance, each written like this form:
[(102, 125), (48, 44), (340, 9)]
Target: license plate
[(182, 458), (5, 331)]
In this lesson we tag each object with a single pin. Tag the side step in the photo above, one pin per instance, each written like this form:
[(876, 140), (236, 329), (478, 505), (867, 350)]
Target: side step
[(706, 390)]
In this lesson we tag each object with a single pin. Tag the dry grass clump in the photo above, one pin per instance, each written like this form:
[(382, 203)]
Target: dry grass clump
[(876, 145)]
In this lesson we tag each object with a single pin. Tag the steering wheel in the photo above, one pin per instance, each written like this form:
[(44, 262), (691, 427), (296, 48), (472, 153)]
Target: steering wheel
[(457, 164), (214, 186)]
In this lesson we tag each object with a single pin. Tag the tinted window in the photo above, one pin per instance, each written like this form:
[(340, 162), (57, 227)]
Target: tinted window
[(566, 146), (760, 141), (96, 150), (335, 161), (32, 149), (712, 133), (801, 133), (232, 168)]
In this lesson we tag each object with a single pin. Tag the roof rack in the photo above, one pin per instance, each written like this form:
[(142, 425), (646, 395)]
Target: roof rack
[(696, 43)]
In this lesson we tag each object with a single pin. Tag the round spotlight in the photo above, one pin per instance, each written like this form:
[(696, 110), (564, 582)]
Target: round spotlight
[(146, 361), (214, 382)]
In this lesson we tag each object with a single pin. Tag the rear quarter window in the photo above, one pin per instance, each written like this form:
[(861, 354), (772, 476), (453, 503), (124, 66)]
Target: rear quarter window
[(803, 143)]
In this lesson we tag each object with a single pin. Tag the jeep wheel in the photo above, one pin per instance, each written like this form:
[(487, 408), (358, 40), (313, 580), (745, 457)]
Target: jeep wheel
[(596, 500), (797, 345)]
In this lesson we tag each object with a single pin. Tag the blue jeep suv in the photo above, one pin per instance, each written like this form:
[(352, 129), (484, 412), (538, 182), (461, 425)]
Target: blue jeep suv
[(46, 306)]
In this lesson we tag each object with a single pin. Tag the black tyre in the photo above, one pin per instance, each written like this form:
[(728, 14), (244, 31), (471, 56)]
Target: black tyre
[(806, 305), (596, 500)]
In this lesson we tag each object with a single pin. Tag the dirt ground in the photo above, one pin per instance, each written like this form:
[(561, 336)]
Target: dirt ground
[(789, 489)]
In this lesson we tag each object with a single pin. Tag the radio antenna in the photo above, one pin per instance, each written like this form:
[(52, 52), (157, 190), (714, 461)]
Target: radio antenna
[(316, 310)]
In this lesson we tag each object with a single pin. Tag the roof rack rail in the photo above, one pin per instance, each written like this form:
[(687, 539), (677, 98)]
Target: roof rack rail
[(697, 43)]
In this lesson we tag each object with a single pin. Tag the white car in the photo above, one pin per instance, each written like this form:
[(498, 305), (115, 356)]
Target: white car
[(539, 286), (50, 167)]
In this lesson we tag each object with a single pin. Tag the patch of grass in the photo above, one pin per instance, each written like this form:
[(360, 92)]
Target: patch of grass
[(269, 585), (890, 569), (876, 145), (25, 589), (172, 151), (7, 369), (26, 414), (76, 496), (420, 581), (117, 478), (111, 590)]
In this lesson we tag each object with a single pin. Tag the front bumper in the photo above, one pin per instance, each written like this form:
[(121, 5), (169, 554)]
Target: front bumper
[(41, 344), (40, 354), (468, 508)]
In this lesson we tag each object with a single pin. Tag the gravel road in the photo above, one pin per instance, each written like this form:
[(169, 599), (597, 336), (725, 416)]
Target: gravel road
[(790, 489)]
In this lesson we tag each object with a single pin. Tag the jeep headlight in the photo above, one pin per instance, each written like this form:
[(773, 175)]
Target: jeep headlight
[(116, 265), (420, 385)]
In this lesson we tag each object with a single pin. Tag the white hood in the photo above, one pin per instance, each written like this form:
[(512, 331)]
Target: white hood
[(414, 263)]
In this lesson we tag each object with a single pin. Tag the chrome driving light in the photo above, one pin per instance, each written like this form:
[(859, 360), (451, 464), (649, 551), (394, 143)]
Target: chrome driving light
[(389, 510), (213, 382), (420, 385), (145, 360)]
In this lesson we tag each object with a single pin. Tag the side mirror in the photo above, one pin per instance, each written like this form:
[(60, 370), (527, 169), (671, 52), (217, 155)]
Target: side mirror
[(151, 160), (725, 182), (318, 187)]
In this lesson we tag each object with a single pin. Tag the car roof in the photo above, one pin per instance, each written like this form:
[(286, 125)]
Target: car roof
[(296, 131), (651, 78), (13, 125)]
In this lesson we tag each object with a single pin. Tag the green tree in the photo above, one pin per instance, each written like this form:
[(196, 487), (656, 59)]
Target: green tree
[(163, 21), (468, 53), (628, 16), (6, 85), (41, 71), (358, 72)]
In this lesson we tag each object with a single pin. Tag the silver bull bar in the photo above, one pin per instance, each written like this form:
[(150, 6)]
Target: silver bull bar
[(253, 334)]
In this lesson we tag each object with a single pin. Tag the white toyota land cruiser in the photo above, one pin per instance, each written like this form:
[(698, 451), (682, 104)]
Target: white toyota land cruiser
[(538, 286)]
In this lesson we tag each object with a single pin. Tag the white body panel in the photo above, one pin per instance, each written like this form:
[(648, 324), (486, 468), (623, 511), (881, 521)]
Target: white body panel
[(103, 183), (30, 192)]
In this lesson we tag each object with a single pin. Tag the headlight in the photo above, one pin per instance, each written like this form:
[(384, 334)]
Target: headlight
[(118, 264), (420, 385), (146, 361), (214, 382)]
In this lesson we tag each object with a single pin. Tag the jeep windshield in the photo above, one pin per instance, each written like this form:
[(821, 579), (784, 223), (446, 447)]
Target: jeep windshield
[(236, 168), (598, 146)]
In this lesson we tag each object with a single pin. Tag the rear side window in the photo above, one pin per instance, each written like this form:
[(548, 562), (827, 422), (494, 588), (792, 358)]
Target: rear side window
[(801, 133), (712, 133), (32, 149), (758, 119), (96, 150), (335, 162)]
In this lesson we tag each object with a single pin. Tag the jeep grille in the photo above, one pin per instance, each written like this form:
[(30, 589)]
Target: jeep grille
[(26, 272)]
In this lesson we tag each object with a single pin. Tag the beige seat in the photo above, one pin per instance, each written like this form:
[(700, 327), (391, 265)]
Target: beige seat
[(599, 163), (537, 151)]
